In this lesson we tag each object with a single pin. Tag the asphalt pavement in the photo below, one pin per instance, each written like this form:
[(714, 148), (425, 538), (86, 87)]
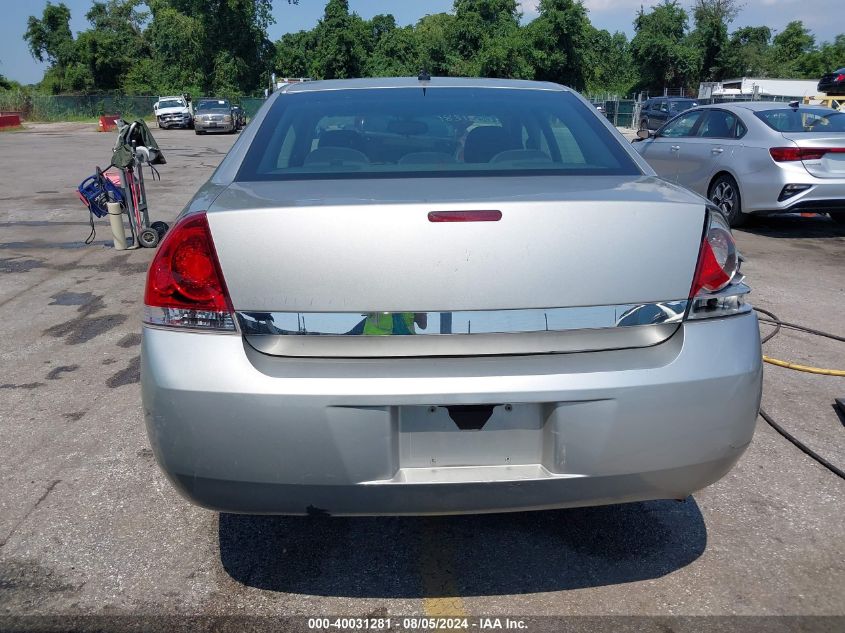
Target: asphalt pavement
[(89, 527)]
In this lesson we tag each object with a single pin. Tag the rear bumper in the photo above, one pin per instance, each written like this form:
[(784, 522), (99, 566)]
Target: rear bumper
[(220, 127), (760, 191), (239, 431), (819, 206), (182, 122)]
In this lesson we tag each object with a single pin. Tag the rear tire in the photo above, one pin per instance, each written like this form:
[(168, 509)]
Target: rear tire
[(838, 217), (724, 193), (643, 124)]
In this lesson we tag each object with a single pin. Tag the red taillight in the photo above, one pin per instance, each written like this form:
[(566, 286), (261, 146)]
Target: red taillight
[(718, 260), (786, 154), (840, 77), (185, 285)]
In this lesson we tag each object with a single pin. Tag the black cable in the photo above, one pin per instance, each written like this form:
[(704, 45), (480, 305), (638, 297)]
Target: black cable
[(794, 326), (777, 427), (93, 234), (801, 446), (771, 335)]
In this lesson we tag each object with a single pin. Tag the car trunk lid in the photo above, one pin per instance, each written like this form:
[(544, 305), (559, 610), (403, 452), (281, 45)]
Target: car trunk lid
[(579, 253), (830, 160)]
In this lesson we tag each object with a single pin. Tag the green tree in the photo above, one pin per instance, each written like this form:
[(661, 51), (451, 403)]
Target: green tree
[(609, 65), (293, 54), (831, 55), (560, 38), (382, 25), (487, 40), (338, 53), (710, 36), (792, 51), (50, 39), (476, 21), (395, 54), (235, 50), (747, 53), (114, 42), (177, 58), (433, 35), (662, 53)]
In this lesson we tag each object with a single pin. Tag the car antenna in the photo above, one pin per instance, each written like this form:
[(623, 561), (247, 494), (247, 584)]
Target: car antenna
[(424, 76), (793, 105)]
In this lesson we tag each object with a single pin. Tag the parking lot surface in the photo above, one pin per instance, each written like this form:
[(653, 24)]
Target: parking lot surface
[(89, 526)]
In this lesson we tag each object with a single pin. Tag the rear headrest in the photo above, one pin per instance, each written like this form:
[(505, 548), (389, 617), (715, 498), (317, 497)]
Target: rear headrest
[(483, 143), (521, 156), (427, 158), (341, 138), (335, 156)]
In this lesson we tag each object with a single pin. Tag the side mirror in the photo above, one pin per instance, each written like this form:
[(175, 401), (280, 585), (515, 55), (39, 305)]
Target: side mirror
[(645, 134)]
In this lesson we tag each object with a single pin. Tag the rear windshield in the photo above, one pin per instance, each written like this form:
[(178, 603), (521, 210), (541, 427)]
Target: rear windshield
[(803, 120), (407, 132), (680, 106)]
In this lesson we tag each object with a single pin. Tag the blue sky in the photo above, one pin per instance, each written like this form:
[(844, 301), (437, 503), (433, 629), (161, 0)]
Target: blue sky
[(822, 16)]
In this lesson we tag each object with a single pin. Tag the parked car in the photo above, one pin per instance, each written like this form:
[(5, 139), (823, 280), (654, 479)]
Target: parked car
[(369, 310), (173, 112), (214, 115), (657, 110), (755, 157), (833, 83), (240, 117)]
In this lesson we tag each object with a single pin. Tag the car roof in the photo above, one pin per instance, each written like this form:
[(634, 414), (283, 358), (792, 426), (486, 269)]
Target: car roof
[(757, 106), (413, 82)]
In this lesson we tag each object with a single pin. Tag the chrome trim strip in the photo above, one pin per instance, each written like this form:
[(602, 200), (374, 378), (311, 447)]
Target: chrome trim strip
[(464, 333), (462, 322), (464, 345)]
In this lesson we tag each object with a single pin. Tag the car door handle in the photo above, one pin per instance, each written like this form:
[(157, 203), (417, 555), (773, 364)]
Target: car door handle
[(675, 148), (717, 150)]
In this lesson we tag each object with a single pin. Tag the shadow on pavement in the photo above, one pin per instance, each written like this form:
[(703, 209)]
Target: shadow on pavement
[(480, 555), (793, 226)]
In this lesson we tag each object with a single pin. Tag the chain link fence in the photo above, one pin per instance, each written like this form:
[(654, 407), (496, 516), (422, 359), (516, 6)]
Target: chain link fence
[(621, 112), (33, 107), (618, 111)]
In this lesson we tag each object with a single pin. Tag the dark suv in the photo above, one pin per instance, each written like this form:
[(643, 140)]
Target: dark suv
[(833, 83), (657, 110)]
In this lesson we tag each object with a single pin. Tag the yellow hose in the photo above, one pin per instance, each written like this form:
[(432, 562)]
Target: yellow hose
[(811, 370)]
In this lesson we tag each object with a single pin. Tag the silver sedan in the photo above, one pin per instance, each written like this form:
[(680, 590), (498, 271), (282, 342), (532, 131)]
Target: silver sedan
[(755, 157), (435, 296)]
